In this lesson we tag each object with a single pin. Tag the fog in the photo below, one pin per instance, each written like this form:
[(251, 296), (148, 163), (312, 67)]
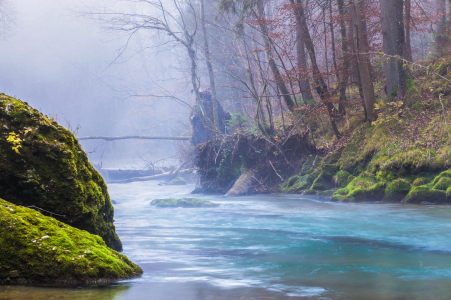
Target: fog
[(73, 69)]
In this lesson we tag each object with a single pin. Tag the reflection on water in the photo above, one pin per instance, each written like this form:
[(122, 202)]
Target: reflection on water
[(272, 247), (68, 293)]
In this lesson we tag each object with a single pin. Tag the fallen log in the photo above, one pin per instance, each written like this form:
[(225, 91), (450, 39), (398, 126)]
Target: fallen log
[(166, 175), (243, 184), (141, 137)]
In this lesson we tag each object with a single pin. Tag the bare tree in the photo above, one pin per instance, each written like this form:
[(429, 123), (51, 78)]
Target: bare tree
[(7, 20), (394, 45), (209, 65), (363, 61), (304, 83)]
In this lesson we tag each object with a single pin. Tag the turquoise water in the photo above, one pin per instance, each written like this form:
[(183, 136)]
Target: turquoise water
[(272, 247)]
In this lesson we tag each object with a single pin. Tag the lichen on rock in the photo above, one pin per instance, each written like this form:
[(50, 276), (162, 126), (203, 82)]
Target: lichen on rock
[(39, 249), (42, 164)]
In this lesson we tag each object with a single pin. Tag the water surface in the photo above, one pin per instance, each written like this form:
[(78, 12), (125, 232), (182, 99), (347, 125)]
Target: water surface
[(271, 247)]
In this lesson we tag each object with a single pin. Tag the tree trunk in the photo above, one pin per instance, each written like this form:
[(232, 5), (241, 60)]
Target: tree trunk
[(440, 37), (400, 47), (209, 67), (344, 51), (389, 32), (304, 83), (408, 53), (272, 64), (355, 67), (318, 80), (363, 59)]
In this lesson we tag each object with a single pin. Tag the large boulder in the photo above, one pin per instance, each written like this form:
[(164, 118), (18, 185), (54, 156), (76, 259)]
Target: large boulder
[(42, 165), (38, 249)]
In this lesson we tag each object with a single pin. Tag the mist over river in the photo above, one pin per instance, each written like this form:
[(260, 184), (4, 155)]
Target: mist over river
[(271, 247)]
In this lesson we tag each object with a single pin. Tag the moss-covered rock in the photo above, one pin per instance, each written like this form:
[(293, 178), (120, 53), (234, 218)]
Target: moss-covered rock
[(442, 181), (324, 181), (38, 249), (419, 181), (42, 164), (424, 194), (291, 181), (356, 195), (177, 181), (376, 192), (300, 183), (310, 164), (442, 184), (197, 191), (185, 202), (343, 178), (326, 193), (397, 190), (310, 192), (339, 195)]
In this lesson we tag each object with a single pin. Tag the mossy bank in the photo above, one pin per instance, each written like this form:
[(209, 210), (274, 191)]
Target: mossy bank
[(42, 164), (396, 159), (36, 249)]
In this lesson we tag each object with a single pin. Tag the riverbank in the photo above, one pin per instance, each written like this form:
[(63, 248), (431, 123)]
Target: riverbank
[(402, 157)]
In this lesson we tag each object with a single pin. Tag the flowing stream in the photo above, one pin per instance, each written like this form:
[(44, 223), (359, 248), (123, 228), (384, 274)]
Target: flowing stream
[(271, 247)]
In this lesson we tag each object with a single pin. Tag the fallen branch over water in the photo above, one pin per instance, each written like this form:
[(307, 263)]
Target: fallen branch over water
[(165, 175), (141, 137)]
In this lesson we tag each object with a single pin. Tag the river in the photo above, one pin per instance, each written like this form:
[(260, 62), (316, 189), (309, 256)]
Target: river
[(271, 247)]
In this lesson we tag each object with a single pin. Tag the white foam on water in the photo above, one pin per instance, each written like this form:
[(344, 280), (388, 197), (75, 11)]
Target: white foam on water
[(297, 291)]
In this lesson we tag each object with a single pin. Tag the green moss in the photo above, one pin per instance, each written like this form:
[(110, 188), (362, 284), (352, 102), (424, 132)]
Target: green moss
[(442, 184), (339, 195), (52, 171), (397, 190), (301, 183), (291, 181), (356, 190), (39, 249), (445, 174), (356, 195), (448, 193), (376, 191), (312, 162), (424, 193), (419, 181), (177, 181), (325, 193), (322, 182), (343, 178), (185, 202)]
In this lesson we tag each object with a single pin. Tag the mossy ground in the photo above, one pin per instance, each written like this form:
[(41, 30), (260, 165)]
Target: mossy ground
[(185, 202), (38, 249), (42, 164), (397, 158)]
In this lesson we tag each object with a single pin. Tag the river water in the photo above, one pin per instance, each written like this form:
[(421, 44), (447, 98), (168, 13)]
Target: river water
[(271, 247)]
